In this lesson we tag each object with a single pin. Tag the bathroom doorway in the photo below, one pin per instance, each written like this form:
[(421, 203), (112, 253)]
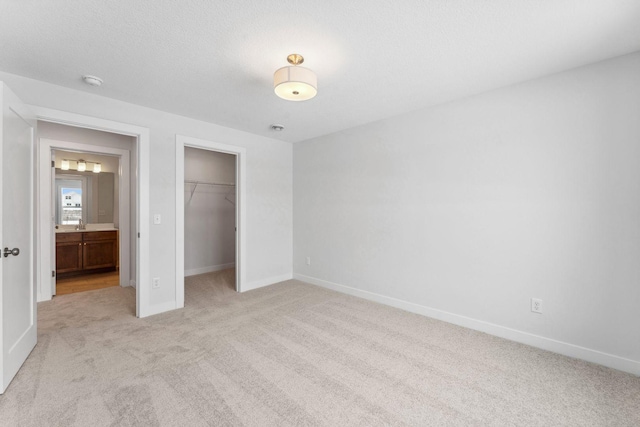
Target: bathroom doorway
[(91, 200), (85, 196)]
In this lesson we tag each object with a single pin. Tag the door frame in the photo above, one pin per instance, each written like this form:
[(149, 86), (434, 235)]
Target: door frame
[(142, 134), (47, 248), (183, 141)]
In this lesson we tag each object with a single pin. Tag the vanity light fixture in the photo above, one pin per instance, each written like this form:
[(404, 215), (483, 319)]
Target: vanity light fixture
[(81, 165), (295, 83)]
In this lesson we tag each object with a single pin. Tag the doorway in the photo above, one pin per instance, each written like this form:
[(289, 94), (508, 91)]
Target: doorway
[(88, 253), (88, 217), (141, 253), (137, 235), (210, 218), (225, 190)]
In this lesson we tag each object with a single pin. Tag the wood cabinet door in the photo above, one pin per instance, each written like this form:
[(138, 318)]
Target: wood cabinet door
[(99, 254), (68, 257)]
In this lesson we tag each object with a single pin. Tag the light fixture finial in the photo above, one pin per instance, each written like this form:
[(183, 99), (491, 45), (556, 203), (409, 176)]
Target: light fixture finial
[(295, 59)]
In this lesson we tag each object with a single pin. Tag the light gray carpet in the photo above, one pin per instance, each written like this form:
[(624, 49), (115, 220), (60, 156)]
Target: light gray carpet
[(298, 355)]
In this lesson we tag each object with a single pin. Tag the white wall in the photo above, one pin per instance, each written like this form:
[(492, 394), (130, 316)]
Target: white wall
[(209, 215), (467, 210), (269, 181)]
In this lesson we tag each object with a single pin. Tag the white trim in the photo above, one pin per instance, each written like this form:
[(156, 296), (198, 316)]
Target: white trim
[(208, 269), (567, 349), (46, 224), (266, 282), (241, 176), (160, 308), (132, 283), (143, 306)]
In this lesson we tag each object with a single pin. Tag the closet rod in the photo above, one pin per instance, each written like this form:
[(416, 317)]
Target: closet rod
[(226, 184), (193, 190)]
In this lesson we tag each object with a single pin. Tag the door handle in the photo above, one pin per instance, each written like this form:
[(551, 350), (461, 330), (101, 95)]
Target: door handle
[(14, 252)]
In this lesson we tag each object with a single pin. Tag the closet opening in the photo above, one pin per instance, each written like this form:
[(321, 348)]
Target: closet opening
[(210, 218), (210, 200)]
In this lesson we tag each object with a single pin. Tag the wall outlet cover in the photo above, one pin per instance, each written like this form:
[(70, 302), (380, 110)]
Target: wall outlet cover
[(536, 305)]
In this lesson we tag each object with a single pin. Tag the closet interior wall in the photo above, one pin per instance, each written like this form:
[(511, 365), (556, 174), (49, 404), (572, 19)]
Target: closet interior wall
[(210, 211)]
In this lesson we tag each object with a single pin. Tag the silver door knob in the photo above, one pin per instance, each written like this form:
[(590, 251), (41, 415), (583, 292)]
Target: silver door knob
[(14, 252)]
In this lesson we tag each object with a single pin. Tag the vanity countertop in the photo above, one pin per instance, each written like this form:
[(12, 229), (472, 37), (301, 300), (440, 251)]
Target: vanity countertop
[(89, 227)]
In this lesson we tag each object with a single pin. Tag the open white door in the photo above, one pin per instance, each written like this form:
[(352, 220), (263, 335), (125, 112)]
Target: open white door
[(17, 287)]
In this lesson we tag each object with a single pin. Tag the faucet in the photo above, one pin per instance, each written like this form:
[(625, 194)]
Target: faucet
[(81, 226)]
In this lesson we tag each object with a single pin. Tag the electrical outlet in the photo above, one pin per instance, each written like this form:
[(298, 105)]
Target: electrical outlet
[(155, 283), (157, 219), (308, 260), (536, 305)]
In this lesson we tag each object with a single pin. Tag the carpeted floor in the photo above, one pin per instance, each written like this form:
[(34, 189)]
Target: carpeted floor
[(293, 354)]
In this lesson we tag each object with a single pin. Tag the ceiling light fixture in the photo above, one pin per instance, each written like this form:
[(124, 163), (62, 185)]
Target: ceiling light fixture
[(295, 83), (82, 165), (92, 80)]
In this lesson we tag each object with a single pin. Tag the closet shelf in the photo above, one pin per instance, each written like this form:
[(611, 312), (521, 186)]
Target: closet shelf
[(196, 183)]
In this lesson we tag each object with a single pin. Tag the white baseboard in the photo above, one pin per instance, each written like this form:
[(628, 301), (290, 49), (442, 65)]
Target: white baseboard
[(265, 282), (571, 350), (208, 269), (132, 283), (159, 308)]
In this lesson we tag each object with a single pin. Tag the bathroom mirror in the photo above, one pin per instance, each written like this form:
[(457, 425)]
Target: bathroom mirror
[(84, 195)]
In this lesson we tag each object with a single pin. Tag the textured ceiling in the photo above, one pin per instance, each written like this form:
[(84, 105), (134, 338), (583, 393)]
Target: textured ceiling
[(214, 60)]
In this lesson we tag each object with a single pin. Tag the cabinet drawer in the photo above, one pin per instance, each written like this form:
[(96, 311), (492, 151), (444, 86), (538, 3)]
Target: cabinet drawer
[(68, 237), (100, 235)]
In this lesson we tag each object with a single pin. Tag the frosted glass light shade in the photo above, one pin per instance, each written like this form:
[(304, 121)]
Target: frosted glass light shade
[(82, 166), (295, 83), (97, 168), (64, 165)]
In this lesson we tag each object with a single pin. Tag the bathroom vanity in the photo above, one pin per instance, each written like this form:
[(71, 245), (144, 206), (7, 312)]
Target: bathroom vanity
[(86, 251)]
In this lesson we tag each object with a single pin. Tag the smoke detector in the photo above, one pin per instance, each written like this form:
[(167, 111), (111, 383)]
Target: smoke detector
[(92, 80), (277, 128)]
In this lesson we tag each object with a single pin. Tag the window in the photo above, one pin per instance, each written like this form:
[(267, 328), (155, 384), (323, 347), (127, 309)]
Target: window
[(72, 205)]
